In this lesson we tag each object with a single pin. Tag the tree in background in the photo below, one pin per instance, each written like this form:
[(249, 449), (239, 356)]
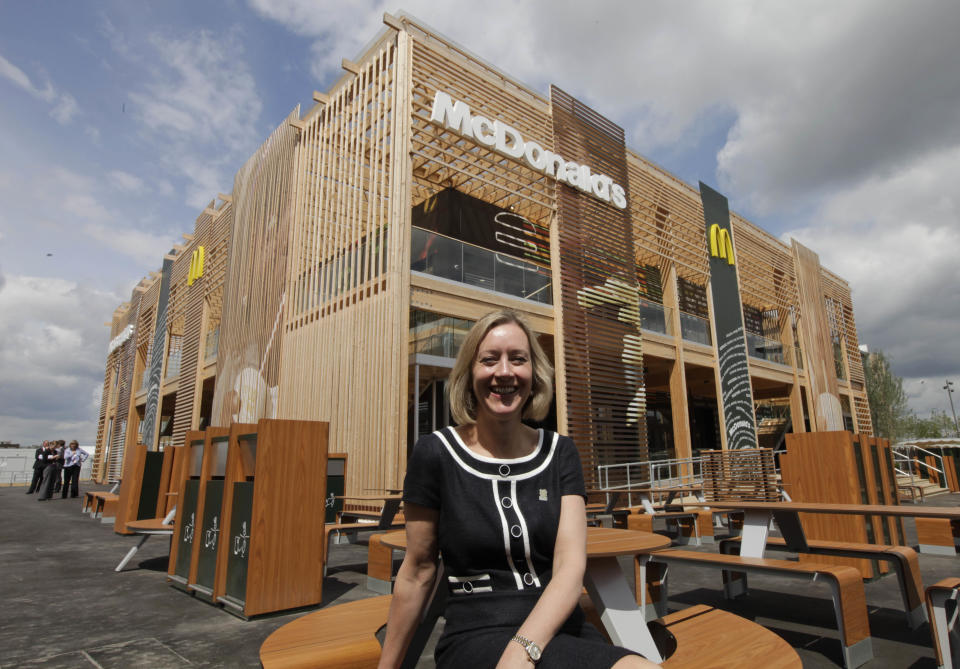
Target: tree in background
[(888, 402), (939, 424)]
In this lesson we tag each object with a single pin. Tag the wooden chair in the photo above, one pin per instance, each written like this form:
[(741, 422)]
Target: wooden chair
[(146, 529)]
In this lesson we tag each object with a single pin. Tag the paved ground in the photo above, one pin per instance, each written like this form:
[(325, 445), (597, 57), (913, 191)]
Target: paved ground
[(64, 607)]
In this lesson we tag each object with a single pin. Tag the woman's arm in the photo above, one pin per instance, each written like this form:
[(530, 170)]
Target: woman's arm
[(563, 592), (414, 583)]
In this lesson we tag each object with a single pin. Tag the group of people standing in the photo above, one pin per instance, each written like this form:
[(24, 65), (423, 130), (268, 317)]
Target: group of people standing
[(56, 467)]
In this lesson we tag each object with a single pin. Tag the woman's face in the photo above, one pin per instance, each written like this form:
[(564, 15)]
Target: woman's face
[(502, 372)]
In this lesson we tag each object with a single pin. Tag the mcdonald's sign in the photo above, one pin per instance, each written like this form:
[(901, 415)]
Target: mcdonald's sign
[(196, 266), (720, 244)]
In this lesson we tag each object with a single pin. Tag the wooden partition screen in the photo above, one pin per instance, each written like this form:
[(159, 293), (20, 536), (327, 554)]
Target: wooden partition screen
[(747, 474), (600, 318), (844, 468)]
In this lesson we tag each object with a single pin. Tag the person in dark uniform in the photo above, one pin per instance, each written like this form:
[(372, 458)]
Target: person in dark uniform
[(51, 471), (39, 463), (58, 481), (505, 506)]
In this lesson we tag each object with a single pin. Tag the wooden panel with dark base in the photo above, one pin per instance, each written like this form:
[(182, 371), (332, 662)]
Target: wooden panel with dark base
[(189, 468), (240, 468), (211, 435), (285, 561)]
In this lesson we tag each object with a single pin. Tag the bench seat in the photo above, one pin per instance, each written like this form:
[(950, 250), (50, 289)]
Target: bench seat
[(330, 528), (693, 527), (942, 627), (847, 592), (700, 637), (337, 636), (100, 503), (903, 560)]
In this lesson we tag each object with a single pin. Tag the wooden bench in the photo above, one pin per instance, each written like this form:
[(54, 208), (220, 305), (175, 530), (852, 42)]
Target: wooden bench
[(699, 637), (100, 503), (938, 536), (903, 561), (942, 626), (913, 489), (846, 586), (337, 636)]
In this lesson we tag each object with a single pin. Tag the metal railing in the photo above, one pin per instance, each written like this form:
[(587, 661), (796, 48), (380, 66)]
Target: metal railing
[(666, 473), (695, 329), (458, 261), (654, 317), (910, 464)]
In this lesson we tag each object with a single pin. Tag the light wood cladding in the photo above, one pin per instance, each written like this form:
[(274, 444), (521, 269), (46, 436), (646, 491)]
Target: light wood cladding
[(345, 334), (248, 363), (442, 159), (820, 368), (603, 358)]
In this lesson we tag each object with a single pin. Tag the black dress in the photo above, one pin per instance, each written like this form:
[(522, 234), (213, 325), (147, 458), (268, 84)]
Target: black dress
[(497, 529)]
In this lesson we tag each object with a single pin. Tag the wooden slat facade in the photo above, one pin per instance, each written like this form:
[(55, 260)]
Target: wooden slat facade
[(307, 299)]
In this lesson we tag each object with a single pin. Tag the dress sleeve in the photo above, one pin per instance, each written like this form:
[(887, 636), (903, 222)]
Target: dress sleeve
[(571, 472), (421, 485)]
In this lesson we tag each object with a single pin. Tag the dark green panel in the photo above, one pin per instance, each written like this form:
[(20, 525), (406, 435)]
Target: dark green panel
[(335, 488), (210, 535), (239, 541), (150, 487), (188, 528)]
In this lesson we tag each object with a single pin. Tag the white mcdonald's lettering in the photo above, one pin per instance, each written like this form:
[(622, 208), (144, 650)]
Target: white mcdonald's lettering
[(196, 266), (720, 244), (456, 116)]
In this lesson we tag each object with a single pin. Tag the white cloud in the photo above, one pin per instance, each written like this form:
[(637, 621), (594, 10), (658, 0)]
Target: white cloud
[(145, 247), (199, 109), (125, 181), (86, 206), (52, 343), (66, 106)]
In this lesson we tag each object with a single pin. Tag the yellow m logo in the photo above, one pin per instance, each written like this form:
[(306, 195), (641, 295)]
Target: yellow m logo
[(196, 266), (720, 244)]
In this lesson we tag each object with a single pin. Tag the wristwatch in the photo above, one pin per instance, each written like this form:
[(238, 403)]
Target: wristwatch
[(533, 650)]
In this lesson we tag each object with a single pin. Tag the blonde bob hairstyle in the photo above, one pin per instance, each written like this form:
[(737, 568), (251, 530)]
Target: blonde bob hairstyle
[(463, 402)]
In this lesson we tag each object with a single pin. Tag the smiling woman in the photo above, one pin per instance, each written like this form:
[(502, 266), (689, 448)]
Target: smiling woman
[(514, 557)]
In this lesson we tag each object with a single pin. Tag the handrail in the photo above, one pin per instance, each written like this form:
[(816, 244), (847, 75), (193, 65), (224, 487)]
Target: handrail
[(912, 460), (651, 473)]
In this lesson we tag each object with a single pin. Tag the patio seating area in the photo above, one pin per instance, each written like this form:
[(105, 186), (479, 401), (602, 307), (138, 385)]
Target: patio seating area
[(55, 555)]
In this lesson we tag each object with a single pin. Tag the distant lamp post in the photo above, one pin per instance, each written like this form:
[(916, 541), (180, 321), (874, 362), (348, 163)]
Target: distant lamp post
[(949, 389)]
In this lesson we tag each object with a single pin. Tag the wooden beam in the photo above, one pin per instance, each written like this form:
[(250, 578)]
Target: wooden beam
[(299, 125), (225, 197), (322, 98), (187, 237), (350, 66), (392, 21)]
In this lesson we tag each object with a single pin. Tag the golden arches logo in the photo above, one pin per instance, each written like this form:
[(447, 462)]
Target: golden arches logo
[(720, 244), (196, 266)]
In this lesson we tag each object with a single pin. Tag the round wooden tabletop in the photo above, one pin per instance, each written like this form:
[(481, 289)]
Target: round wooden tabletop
[(601, 541)]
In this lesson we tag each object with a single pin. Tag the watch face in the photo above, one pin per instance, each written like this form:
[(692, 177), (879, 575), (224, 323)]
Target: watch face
[(534, 652)]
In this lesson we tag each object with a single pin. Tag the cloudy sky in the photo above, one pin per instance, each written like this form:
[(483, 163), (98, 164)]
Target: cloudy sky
[(834, 123)]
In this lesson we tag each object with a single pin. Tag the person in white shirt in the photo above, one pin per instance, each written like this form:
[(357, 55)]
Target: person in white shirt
[(73, 459)]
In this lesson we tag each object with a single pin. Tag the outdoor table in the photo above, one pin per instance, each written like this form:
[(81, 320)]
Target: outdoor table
[(646, 494), (757, 516), (391, 505), (606, 584)]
